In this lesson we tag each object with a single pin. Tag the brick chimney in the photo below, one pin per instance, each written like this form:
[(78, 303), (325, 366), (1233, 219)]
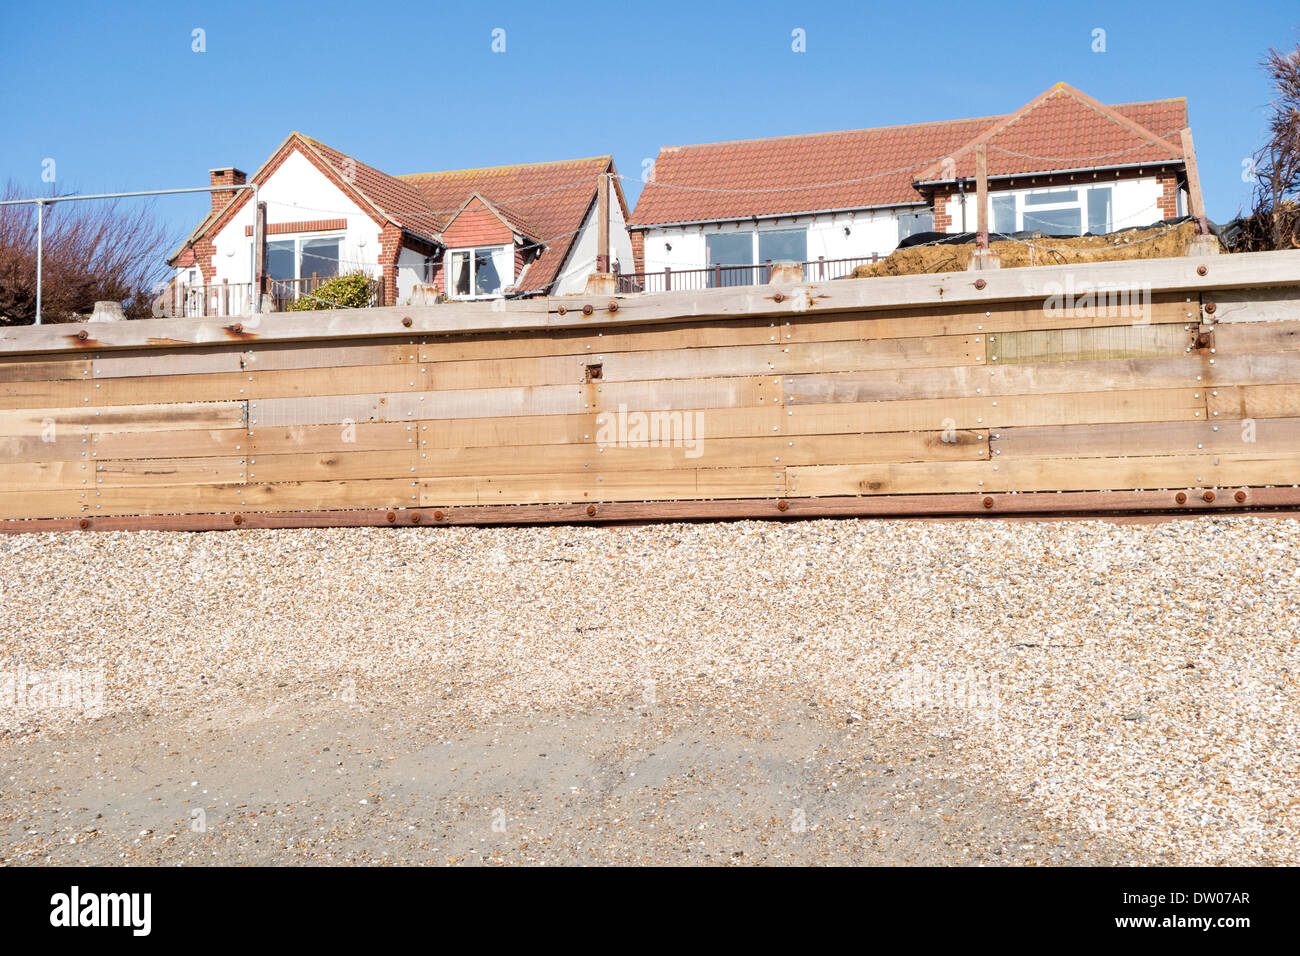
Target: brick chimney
[(227, 176)]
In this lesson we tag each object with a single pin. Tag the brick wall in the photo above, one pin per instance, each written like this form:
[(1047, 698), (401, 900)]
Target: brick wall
[(230, 176), (638, 250), (390, 247), (476, 225), (942, 220), (312, 225), (1168, 201)]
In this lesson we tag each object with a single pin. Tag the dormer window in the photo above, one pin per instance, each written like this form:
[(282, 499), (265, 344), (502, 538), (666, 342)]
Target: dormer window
[(480, 273)]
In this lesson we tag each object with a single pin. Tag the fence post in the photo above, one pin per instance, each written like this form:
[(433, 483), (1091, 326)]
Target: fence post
[(225, 296), (668, 278)]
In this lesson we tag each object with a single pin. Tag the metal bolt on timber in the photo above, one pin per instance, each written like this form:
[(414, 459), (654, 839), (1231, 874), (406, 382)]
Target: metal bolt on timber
[(1239, 497), (1201, 270), (591, 511), (1181, 498), (1208, 497), (782, 505), (587, 309)]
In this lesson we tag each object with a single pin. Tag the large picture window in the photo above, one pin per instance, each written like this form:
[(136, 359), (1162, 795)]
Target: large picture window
[(752, 249), (479, 273), (1057, 212), (301, 258)]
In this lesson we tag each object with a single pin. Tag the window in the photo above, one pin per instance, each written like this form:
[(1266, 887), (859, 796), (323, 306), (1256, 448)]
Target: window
[(1056, 222), (775, 245), (1099, 215), (480, 273), (910, 223), (1004, 214), (1057, 212), (752, 248), (319, 258), (301, 258), (730, 248)]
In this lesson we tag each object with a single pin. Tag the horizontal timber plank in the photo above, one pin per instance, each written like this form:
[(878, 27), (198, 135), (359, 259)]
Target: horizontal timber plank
[(1271, 436), (1254, 401), (1241, 271), (124, 418), (1088, 504)]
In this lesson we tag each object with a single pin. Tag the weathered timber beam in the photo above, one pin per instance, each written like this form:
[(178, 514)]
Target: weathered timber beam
[(1191, 274), (1042, 504)]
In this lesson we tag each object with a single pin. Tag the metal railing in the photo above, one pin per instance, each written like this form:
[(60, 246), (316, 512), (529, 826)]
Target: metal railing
[(219, 300), (722, 277)]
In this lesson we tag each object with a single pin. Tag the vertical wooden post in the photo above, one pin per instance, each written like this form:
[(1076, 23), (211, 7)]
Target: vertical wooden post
[(1195, 202), (668, 278), (982, 196), (602, 223), (225, 296), (259, 257)]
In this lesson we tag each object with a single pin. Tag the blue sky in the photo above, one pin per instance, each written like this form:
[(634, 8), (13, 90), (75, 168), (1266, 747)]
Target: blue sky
[(116, 96)]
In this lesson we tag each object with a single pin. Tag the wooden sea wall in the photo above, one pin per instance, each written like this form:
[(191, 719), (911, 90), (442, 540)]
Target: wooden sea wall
[(1000, 392)]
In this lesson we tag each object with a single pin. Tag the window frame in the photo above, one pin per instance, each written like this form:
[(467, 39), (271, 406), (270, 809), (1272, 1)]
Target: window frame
[(1024, 204), (298, 238), (507, 276)]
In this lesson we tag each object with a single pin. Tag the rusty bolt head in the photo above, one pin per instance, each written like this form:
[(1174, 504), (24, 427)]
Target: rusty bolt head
[(437, 516), (1201, 270), (415, 518), (1181, 498), (1239, 497), (561, 310), (1209, 308), (390, 517), (980, 283), (591, 510), (782, 505), (613, 306), (238, 519), (237, 327), (83, 524), (778, 297), (406, 321), (83, 335), (587, 309), (1208, 497), (988, 502)]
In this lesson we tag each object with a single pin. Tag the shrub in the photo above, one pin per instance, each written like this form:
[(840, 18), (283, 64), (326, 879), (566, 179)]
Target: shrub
[(351, 291)]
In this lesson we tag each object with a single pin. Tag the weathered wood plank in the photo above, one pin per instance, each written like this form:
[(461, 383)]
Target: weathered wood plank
[(166, 472), (124, 418), (1242, 271), (1088, 345), (1270, 436), (1253, 401)]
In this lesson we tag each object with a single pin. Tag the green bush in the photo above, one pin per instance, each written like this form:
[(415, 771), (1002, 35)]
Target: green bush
[(351, 291)]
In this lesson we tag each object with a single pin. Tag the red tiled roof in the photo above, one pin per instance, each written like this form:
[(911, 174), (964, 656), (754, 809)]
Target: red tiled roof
[(545, 201), (878, 167), (1065, 128), (397, 200)]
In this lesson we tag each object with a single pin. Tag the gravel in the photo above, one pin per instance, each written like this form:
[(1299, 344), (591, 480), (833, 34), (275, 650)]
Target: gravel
[(1133, 684)]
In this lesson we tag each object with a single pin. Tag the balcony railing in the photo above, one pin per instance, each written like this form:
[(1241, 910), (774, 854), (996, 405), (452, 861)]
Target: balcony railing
[(224, 299), (720, 277)]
